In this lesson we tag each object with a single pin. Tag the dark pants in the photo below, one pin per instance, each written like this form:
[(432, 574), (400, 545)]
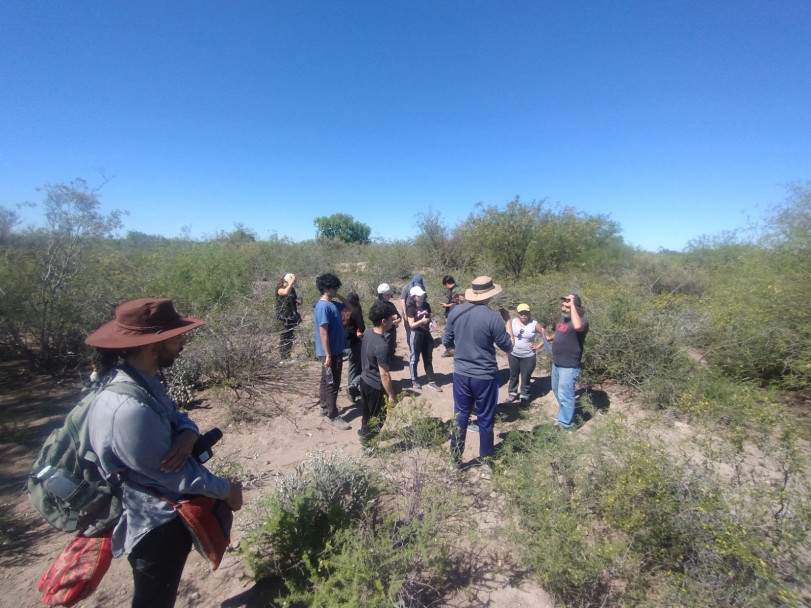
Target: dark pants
[(330, 384), (483, 394), (157, 564), (286, 341), (422, 343), (354, 369), (373, 406), (391, 341), (523, 367)]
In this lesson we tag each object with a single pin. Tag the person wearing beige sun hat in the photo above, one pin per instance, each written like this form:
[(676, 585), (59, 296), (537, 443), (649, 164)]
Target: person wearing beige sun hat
[(473, 331), (147, 443)]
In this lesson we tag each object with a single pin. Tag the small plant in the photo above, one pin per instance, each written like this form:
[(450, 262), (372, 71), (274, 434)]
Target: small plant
[(296, 525)]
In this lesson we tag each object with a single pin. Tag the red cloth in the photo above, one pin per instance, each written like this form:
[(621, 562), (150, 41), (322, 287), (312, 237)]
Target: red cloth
[(77, 571)]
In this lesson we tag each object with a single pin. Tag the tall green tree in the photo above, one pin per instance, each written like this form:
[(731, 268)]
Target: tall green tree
[(343, 227), (505, 235)]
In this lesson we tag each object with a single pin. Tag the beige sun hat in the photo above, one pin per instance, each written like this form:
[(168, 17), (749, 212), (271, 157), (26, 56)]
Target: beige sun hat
[(482, 288)]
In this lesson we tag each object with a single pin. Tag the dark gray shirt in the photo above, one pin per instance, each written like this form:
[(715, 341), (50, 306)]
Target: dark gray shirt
[(474, 331)]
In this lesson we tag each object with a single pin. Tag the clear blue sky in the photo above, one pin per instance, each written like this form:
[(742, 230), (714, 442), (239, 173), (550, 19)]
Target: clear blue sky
[(675, 118)]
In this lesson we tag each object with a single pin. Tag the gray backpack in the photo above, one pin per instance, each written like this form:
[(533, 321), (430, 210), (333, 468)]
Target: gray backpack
[(66, 484)]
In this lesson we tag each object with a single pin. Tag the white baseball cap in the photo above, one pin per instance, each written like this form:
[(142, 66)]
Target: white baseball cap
[(384, 288), (416, 291)]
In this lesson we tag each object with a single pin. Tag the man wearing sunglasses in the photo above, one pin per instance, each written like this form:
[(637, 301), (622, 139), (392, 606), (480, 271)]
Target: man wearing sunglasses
[(567, 352)]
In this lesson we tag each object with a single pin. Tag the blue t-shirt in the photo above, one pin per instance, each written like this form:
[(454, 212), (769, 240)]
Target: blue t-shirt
[(329, 314)]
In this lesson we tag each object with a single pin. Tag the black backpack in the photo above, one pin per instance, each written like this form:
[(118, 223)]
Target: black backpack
[(66, 485)]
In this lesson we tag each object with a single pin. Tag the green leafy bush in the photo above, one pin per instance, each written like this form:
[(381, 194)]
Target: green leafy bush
[(616, 519)]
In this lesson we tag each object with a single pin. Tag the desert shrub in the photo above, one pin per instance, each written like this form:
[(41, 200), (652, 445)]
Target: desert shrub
[(295, 525), (237, 347), (617, 519), (632, 337), (376, 533)]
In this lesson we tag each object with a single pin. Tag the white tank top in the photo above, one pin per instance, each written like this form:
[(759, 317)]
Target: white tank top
[(524, 337)]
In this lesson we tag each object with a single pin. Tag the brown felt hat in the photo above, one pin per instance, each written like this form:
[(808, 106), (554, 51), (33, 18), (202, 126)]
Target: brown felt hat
[(141, 322), (482, 288)]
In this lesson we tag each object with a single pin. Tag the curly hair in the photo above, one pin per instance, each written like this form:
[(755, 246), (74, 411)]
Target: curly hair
[(327, 281)]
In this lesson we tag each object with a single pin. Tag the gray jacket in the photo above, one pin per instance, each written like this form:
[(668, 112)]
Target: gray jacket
[(473, 331), (131, 438)]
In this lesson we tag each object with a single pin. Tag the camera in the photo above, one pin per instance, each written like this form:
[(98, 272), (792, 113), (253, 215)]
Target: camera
[(202, 447)]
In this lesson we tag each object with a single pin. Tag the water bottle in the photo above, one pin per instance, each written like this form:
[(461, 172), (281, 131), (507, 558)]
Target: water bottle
[(433, 326), (56, 483)]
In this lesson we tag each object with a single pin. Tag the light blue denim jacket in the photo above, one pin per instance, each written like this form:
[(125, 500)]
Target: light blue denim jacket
[(131, 437)]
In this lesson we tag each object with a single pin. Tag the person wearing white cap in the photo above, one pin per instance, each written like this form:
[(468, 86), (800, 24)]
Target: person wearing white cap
[(287, 314), (418, 314), (384, 296), (473, 331)]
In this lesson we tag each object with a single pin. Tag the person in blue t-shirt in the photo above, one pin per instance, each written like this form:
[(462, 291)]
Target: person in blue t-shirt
[(330, 343)]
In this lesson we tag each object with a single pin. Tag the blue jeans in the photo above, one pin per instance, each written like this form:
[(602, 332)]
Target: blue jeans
[(563, 381), (483, 393)]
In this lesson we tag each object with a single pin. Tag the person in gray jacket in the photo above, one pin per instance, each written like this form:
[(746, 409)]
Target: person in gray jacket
[(473, 331), (149, 446)]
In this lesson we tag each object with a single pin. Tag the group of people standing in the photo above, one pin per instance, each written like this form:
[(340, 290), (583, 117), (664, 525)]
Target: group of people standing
[(148, 443), (472, 333)]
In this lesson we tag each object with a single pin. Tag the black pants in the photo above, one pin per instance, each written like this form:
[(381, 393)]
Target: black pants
[(157, 564), (329, 384), (422, 343), (286, 341), (372, 405), (521, 367)]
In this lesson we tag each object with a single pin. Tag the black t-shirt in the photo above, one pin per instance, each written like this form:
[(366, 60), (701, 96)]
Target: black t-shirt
[(374, 353), (567, 347), (417, 313), (354, 324)]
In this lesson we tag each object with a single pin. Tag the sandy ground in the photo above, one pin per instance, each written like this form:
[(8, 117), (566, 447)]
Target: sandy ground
[(262, 448)]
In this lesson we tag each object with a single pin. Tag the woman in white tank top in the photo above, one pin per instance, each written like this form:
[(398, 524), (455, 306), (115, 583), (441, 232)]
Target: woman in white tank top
[(526, 334)]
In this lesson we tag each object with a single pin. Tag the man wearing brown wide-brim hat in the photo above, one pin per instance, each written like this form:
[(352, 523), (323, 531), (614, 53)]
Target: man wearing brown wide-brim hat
[(473, 331), (148, 443)]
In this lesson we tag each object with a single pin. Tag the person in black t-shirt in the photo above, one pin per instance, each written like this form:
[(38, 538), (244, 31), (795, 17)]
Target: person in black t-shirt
[(422, 342), (567, 352), (375, 379)]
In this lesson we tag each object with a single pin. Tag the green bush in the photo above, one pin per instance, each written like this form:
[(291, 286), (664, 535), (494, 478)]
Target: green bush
[(615, 519), (295, 526)]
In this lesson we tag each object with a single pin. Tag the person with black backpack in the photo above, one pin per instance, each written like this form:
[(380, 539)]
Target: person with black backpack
[(149, 444)]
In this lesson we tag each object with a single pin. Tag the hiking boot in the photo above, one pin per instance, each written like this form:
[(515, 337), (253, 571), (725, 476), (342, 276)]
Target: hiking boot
[(339, 423), (434, 386), (415, 385)]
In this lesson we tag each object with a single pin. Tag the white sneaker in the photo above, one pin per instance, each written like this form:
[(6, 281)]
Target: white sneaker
[(434, 386)]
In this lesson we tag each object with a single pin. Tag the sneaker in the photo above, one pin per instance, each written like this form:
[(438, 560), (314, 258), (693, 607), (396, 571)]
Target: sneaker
[(512, 397), (415, 385), (339, 423), (434, 386), (322, 411), (448, 353), (349, 394), (472, 426)]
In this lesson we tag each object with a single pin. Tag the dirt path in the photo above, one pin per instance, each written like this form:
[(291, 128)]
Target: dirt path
[(261, 448)]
